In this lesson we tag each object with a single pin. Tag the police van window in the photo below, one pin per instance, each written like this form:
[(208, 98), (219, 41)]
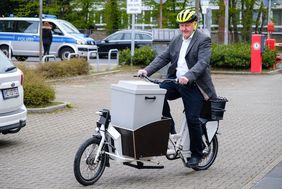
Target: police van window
[(7, 26), (27, 27), (56, 30)]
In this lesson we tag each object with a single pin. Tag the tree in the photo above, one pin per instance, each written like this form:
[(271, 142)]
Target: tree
[(221, 18), (7, 7), (247, 18), (262, 12), (80, 13), (112, 16), (170, 11), (26, 8), (234, 20)]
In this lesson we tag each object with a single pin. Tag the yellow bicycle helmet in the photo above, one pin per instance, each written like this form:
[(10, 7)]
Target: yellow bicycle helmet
[(186, 15)]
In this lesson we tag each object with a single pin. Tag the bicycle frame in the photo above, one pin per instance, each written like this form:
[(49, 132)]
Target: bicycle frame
[(181, 140)]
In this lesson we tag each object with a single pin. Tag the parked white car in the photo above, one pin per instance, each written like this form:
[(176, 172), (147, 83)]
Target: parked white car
[(13, 112)]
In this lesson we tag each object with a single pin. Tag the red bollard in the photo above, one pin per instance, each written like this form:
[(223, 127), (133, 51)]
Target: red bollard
[(270, 27), (270, 44), (256, 57)]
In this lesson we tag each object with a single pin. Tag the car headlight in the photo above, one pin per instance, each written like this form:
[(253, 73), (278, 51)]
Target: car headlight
[(80, 42)]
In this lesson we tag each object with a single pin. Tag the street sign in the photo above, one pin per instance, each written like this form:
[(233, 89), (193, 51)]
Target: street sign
[(133, 6)]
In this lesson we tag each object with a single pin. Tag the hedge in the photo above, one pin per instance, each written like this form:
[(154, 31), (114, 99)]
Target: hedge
[(37, 92), (234, 56), (238, 56)]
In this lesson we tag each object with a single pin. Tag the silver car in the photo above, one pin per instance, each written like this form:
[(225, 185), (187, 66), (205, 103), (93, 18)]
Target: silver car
[(13, 112)]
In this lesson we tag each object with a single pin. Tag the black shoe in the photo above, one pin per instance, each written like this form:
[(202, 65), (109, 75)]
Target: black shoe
[(193, 162)]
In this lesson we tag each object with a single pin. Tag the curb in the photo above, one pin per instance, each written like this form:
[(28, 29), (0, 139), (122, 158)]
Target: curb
[(224, 72), (48, 109)]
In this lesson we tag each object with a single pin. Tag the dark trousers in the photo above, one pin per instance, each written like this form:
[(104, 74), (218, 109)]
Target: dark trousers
[(193, 102), (46, 48)]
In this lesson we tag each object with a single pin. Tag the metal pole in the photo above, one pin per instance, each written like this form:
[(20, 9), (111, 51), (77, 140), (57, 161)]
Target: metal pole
[(269, 10), (40, 30), (226, 22), (208, 19), (132, 39)]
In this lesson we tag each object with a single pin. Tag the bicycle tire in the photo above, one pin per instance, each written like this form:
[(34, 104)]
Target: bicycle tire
[(210, 157), (93, 171)]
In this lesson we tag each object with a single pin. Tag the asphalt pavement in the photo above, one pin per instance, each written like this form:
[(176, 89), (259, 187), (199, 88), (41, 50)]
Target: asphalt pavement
[(273, 179), (250, 144)]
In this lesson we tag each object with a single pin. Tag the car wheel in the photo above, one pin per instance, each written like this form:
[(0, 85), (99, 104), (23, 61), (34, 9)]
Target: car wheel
[(64, 53), (5, 50)]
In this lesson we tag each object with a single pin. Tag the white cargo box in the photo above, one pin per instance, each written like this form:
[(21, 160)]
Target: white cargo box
[(136, 103)]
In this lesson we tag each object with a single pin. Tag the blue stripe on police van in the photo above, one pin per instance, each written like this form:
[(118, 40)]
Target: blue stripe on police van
[(34, 38)]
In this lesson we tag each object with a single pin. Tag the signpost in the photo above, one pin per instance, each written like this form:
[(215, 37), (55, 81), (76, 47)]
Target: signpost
[(133, 7), (40, 30), (226, 2)]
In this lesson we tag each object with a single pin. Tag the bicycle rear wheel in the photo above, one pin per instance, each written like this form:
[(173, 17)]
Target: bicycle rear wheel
[(210, 153), (85, 170)]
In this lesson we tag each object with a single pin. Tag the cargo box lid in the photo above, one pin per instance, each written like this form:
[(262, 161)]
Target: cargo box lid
[(138, 87)]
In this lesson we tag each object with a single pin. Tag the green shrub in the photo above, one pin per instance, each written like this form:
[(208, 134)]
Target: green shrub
[(268, 58), (142, 56), (65, 68), (231, 56), (124, 57), (238, 56), (36, 91)]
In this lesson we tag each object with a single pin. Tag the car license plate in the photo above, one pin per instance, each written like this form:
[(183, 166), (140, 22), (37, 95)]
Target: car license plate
[(10, 93)]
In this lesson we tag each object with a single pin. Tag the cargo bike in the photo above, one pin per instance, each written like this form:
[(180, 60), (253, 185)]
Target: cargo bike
[(134, 132)]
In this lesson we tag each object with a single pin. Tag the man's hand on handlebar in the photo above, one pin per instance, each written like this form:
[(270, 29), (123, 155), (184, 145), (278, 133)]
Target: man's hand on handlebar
[(183, 80), (142, 72)]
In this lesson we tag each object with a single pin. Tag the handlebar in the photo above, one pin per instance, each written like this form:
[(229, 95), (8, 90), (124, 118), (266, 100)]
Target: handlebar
[(157, 81)]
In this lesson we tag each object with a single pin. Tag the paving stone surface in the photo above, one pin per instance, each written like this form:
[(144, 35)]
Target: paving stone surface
[(250, 144)]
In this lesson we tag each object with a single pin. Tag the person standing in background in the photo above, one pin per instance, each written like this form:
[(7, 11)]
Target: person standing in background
[(47, 37)]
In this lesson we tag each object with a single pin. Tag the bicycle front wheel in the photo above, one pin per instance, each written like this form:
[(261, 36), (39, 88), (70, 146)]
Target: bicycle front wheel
[(210, 153), (85, 170)]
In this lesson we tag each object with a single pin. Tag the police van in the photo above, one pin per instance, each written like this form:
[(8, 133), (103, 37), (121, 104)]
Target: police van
[(20, 36)]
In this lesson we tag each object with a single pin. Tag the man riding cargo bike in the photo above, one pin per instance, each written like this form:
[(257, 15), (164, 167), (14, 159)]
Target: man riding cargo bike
[(140, 126)]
